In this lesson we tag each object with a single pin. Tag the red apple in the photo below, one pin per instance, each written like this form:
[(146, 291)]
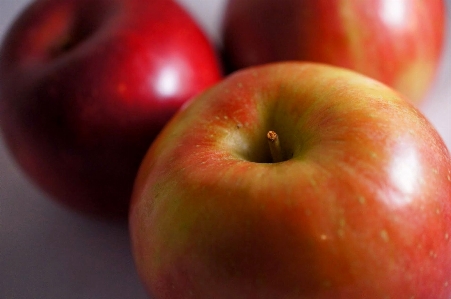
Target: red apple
[(398, 42), (359, 205), (86, 85)]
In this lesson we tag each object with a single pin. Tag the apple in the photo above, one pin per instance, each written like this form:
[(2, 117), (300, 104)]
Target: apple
[(295, 180), (86, 85), (396, 42)]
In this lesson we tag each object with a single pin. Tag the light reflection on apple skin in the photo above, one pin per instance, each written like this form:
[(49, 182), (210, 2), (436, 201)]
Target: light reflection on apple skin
[(168, 81), (405, 172), (393, 12)]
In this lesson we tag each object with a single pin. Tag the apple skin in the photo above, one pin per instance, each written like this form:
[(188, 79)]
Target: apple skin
[(396, 42), (360, 207), (86, 85)]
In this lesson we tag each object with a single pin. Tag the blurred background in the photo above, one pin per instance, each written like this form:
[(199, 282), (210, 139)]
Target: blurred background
[(48, 252)]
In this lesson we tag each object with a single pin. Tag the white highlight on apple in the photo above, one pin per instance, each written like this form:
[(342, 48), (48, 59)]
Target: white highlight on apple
[(393, 12), (167, 81), (405, 171)]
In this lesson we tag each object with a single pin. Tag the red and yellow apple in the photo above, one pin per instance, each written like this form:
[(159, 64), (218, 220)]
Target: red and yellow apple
[(353, 200), (398, 42), (86, 85)]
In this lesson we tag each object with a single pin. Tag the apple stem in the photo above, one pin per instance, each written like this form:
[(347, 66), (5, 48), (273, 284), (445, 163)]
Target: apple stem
[(274, 146)]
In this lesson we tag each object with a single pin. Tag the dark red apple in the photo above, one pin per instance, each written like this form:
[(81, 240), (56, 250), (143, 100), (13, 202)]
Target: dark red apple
[(86, 85), (398, 42)]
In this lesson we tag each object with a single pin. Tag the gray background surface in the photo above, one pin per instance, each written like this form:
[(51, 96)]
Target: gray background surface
[(50, 253)]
